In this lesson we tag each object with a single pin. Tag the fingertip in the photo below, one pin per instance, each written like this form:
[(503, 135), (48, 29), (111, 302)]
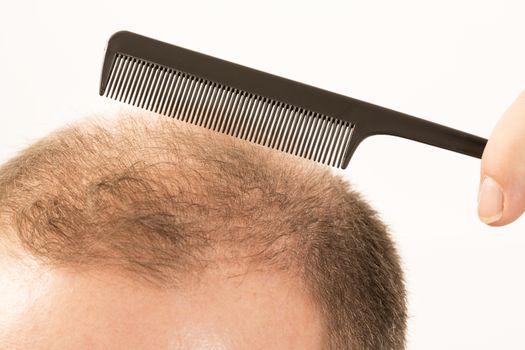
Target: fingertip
[(499, 205), (501, 198), (490, 200)]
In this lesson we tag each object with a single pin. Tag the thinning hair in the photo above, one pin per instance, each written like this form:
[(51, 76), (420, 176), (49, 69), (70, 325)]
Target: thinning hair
[(161, 199)]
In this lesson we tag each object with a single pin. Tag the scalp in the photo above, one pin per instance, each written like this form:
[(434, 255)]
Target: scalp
[(166, 201)]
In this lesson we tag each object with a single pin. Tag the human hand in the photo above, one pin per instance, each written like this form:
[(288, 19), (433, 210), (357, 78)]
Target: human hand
[(501, 198)]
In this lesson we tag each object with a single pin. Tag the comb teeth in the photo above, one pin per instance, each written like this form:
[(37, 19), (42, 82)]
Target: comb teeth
[(224, 109)]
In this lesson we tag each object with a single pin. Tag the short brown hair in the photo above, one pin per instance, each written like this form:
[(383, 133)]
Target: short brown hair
[(160, 198)]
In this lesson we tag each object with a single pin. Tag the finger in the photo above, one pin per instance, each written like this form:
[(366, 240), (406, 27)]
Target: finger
[(501, 198)]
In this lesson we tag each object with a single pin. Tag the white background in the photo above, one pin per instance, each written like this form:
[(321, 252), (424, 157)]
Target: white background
[(459, 63)]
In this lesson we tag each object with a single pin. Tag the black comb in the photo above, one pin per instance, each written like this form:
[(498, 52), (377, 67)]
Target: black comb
[(258, 107)]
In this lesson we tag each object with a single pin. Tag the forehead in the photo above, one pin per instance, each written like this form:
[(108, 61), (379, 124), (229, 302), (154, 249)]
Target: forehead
[(101, 309)]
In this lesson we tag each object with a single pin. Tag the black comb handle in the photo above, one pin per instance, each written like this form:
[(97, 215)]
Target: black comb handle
[(390, 122)]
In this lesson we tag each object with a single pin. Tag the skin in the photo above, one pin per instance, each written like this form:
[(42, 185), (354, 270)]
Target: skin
[(501, 198), (43, 308)]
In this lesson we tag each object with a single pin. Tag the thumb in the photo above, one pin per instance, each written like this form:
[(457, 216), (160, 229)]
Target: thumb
[(501, 198)]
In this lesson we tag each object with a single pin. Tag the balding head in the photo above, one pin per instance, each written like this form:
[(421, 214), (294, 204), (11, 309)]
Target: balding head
[(153, 233)]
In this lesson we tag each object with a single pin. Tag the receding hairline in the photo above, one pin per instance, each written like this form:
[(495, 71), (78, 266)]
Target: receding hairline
[(145, 136)]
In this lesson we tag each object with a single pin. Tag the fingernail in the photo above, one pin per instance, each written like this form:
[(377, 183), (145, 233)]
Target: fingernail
[(490, 201)]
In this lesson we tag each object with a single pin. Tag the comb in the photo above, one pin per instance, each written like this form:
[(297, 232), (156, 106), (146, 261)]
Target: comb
[(258, 107)]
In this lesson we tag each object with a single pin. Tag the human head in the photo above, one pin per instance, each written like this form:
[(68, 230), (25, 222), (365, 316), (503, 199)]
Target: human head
[(143, 230)]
